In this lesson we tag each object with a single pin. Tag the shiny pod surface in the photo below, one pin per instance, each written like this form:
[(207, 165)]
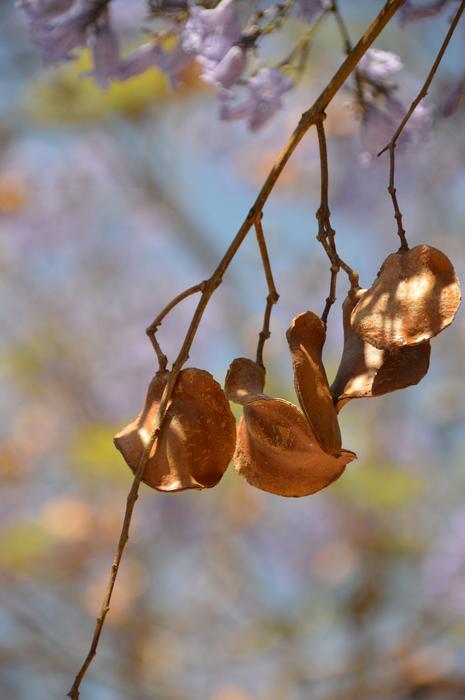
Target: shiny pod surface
[(306, 337), (197, 438), (415, 296), (366, 371), (277, 450)]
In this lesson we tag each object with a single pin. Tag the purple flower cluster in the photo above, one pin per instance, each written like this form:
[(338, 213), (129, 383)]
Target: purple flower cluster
[(208, 35), (454, 97), (379, 124), (382, 109), (411, 11), (263, 98), (58, 27), (215, 38), (105, 51), (152, 55), (380, 65), (222, 40)]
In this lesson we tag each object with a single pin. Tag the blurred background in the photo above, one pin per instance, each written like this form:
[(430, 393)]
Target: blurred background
[(111, 202)]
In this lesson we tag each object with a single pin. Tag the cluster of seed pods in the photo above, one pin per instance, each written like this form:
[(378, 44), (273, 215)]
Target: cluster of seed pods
[(278, 447)]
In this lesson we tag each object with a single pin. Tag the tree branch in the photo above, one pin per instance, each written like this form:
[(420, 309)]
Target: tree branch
[(393, 142), (309, 118)]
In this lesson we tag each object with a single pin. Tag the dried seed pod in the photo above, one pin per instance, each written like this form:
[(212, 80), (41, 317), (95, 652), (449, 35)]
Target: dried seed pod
[(415, 296), (197, 438), (368, 371), (276, 449), (245, 381), (306, 337)]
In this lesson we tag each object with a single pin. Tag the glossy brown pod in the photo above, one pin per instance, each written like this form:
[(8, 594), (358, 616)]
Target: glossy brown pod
[(197, 438), (368, 371), (306, 337), (415, 296), (276, 449)]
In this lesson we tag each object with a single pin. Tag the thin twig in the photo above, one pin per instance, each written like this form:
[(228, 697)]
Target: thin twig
[(302, 49), (310, 117), (326, 233), (393, 142), (334, 8), (393, 192), (273, 295), (151, 331), (424, 90)]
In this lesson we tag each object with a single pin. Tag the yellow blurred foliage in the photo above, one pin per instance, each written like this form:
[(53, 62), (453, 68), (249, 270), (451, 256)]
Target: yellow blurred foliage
[(94, 455), (379, 486), (63, 95), (22, 546)]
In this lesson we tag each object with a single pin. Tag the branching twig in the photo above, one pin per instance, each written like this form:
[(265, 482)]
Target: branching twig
[(273, 295), (326, 233), (300, 52), (151, 331), (310, 117), (393, 142)]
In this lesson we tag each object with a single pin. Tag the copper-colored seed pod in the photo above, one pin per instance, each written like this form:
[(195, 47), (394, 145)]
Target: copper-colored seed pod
[(415, 296), (277, 450), (197, 438), (306, 337), (244, 381), (368, 371)]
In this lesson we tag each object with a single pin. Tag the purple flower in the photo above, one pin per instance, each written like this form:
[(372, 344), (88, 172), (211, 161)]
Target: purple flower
[(264, 98), (310, 9), (453, 98), (209, 35), (57, 30), (379, 125), (138, 61), (418, 129), (172, 63), (228, 71), (410, 12), (44, 9), (152, 56), (105, 50), (379, 65)]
